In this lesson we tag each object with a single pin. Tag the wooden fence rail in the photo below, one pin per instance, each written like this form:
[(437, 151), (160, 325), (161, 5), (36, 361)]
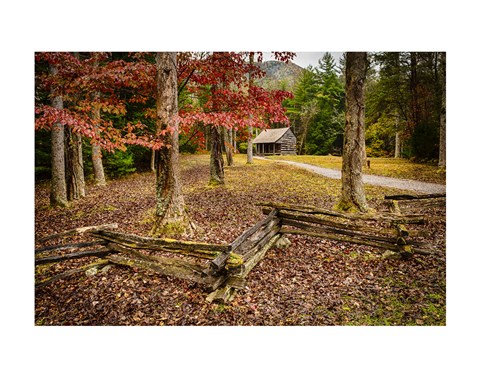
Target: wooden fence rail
[(223, 268)]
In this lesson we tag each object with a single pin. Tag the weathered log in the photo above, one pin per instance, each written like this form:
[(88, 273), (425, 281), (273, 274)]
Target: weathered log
[(332, 230), (73, 246), (418, 196), (169, 267), (351, 216), (220, 262), (253, 249), (257, 257), (71, 272), (77, 255), (423, 251), (195, 249), (406, 250), (258, 236), (241, 239), (224, 294), (165, 243), (227, 291), (341, 238), (434, 202), (77, 231), (283, 214), (401, 229), (236, 282)]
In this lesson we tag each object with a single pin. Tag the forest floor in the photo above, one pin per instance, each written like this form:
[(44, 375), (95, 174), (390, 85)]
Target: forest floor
[(313, 282)]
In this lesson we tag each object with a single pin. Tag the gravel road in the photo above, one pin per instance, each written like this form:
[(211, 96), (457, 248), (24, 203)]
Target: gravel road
[(403, 184)]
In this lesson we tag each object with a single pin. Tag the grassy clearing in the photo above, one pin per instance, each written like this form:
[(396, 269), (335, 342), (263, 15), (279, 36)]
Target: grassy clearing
[(388, 167), (283, 183)]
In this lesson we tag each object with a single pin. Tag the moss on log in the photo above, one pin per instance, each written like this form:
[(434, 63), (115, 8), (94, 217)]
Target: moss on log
[(77, 255), (195, 249)]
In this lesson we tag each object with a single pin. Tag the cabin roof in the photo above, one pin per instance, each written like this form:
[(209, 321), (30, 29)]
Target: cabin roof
[(271, 135)]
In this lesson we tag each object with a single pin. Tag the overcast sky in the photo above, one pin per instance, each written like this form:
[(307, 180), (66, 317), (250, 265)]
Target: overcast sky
[(304, 59)]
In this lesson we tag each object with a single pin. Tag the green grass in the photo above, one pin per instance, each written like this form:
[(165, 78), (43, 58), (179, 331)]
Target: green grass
[(284, 182), (388, 167)]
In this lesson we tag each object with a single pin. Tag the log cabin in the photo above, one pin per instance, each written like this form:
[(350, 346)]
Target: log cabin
[(276, 141)]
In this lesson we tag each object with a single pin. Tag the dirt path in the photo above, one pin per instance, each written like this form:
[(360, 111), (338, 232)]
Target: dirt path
[(403, 184)]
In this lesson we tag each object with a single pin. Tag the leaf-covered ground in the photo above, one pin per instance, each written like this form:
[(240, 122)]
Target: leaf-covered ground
[(313, 282)]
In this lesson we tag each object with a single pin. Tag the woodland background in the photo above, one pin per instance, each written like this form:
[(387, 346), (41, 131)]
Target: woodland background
[(414, 26), (403, 102)]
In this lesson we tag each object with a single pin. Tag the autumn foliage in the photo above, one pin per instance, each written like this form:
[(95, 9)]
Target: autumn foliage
[(213, 90)]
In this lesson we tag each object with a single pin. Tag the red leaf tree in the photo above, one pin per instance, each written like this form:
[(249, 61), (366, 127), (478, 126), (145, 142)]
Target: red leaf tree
[(226, 99)]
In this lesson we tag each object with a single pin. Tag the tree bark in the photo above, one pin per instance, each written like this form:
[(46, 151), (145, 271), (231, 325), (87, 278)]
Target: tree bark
[(415, 113), (58, 187), (98, 172), (228, 146), (398, 144), (170, 216), (250, 129), (152, 160), (74, 166), (74, 157), (78, 170), (352, 194), (442, 158), (217, 176), (234, 141), (250, 146)]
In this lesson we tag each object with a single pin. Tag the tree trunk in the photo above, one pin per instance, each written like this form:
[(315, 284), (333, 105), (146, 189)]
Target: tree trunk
[(442, 158), (97, 162), (353, 195), (58, 188), (228, 146), (398, 143), (74, 160), (250, 129), (152, 160), (170, 216), (250, 146), (414, 92), (234, 141), (74, 166), (78, 170), (217, 176)]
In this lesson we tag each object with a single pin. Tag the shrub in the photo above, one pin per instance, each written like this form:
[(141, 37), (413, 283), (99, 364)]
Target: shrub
[(242, 148), (119, 163)]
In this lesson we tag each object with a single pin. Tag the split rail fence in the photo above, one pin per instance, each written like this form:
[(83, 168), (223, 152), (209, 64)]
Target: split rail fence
[(222, 269)]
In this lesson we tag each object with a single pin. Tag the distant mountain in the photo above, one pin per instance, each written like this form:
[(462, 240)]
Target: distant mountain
[(279, 75)]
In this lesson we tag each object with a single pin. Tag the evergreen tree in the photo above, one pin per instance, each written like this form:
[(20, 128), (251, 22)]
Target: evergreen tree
[(404, 104), (317, 109), (329, 122)]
